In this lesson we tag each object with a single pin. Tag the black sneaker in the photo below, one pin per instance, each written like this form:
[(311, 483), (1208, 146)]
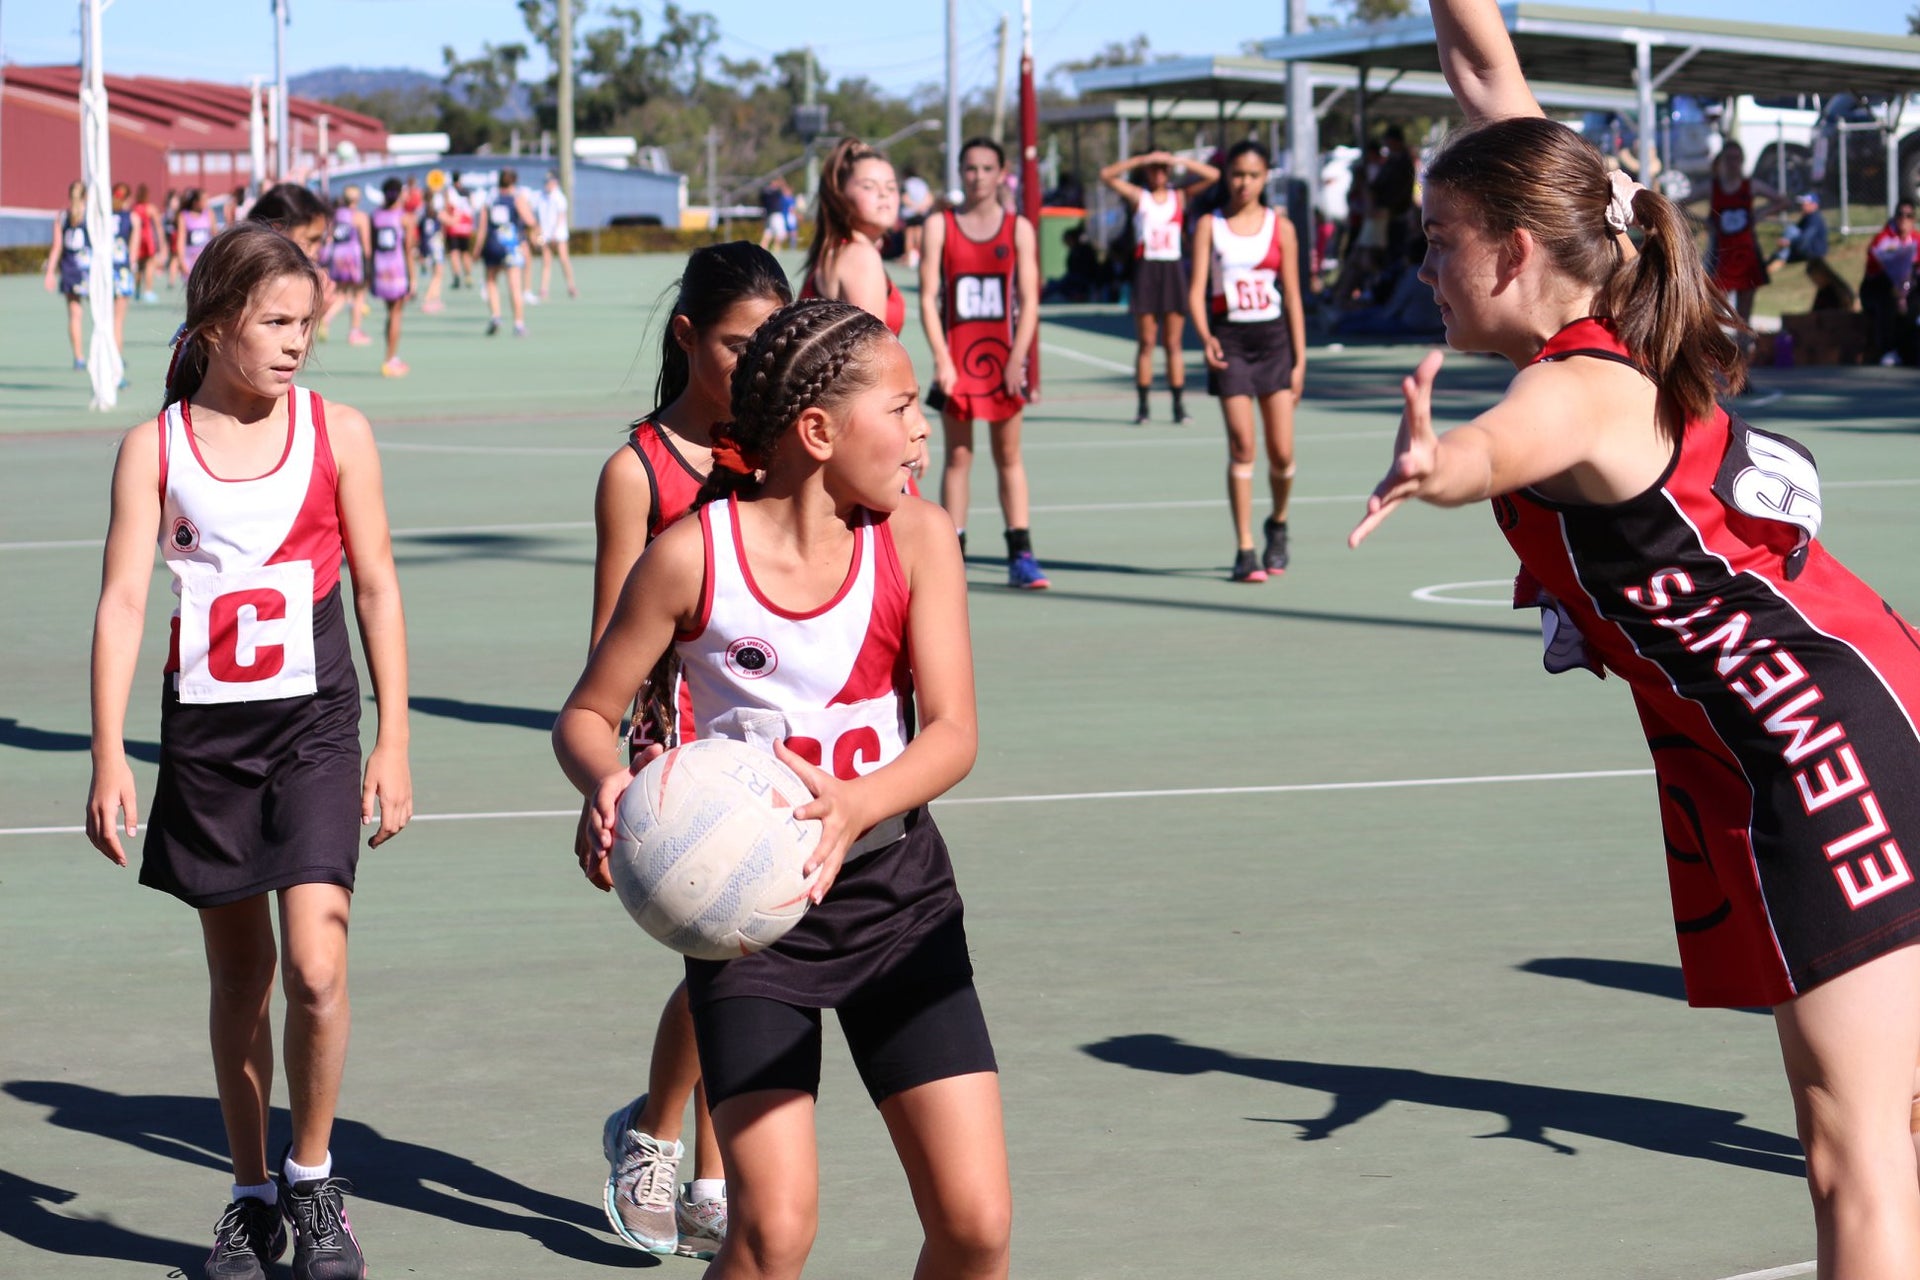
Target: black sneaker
[(324, 1247), (493, 326), (1246, 566), (248, 1236), (1275, 560)]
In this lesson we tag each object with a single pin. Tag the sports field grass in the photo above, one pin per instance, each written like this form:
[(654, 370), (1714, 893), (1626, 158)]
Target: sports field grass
[(1321, 933)]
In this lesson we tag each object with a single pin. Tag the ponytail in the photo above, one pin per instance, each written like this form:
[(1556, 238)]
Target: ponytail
[(833, 221), (717, 278), (1671, 315)]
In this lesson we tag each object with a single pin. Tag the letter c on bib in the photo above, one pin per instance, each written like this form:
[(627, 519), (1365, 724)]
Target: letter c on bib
[(224, 639)]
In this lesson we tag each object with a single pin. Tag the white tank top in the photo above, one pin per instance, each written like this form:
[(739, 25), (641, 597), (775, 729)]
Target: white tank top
[(1156, 228), (832, 683), (1244, 287), (249, 558)]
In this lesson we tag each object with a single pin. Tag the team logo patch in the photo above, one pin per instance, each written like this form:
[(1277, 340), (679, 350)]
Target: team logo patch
[(751, 658), (184, 536), (1771, 477), (1000, 252)]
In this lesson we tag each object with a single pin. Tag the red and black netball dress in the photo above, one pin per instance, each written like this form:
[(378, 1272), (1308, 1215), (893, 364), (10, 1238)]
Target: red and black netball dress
[(672, 487), (977, 303), (1738, 264), (259, 782), (896, 317), (1778, 693)]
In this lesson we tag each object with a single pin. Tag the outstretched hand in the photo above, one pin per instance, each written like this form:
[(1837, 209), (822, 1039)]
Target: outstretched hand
[(1413, 451)]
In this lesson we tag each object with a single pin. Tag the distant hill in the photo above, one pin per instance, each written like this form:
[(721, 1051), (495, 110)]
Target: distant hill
[(403, 83)]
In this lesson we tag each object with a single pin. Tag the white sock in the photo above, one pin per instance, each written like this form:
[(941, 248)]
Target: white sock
[(304, 1173), (266, 1191), (707, 1189)]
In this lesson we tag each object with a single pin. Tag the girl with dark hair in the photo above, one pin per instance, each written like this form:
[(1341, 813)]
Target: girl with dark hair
[(296, 213), (150, 247), (256, 489), (859, 203), (391, 267), (1247, 313), (725, 293), (1671, 544), (193, 230), (808, 549), (509, 226), (980, 303), (1157, 295)]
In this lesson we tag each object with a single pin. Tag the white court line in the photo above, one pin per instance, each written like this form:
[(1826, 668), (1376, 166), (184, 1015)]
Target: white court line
[(1778, 1273), (414, 446), (1284, 788), (1434, 594), (1098, 362)]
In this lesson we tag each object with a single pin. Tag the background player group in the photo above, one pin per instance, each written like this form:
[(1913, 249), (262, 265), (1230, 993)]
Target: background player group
[(1671, 543)]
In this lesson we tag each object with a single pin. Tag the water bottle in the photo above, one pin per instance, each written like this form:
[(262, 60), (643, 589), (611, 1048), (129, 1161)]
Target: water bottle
[(1783, 349)]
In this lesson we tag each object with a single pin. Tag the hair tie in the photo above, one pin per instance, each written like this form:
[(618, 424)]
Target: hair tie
[(1622, 190), (730, 455)]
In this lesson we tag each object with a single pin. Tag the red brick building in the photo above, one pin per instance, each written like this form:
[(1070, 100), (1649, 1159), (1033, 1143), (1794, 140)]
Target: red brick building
[(166, 133)]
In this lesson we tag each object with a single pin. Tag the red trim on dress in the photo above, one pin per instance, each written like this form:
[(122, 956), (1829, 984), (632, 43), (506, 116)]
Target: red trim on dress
[(876, 667), (318, 532), (705, 614), (746, 569), (186, 418)]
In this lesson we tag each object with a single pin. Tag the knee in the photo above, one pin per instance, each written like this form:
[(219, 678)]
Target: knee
[(776, 1237), (242, 982), (975, 1235), (1856, 1160), (1280, 463), (316, 983)]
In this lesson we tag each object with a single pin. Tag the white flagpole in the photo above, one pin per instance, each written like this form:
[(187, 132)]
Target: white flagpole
[(104, 365)]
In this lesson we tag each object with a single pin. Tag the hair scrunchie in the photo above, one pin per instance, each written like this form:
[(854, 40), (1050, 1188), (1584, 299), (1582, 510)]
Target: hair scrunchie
[(1623, 189), (730, 455)]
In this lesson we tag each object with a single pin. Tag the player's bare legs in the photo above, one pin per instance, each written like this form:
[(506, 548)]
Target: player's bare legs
[(313, 925), (956, 473), (953, 1146), (1851, 1047), (1011, 468), (1146, 330), (240, 968), (1276, 414), (1173, 324), (773, 1185), (673, 1076), (1238, 413)]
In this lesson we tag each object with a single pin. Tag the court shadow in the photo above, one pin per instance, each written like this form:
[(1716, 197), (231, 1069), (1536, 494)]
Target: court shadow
[(406, 1175), (28, 738), (413, 549), (1532, 1112), (28, 1214), (483, 712), (1621, 975), (1521, 632)]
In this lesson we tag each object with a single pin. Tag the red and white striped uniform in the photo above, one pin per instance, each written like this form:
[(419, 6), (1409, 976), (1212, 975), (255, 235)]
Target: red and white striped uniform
[(1778, 693), (833, 683), (1244, 287), (249, 558)]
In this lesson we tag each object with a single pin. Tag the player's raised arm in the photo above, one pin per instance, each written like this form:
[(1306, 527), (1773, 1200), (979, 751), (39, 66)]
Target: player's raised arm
[(1477, 57)]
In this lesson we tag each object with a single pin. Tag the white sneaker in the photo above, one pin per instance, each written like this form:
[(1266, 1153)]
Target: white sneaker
[(643, 1175), (702, 1224), (1890, 359)]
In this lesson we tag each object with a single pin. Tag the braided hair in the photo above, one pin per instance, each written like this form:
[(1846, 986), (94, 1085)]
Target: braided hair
[(800, 358)]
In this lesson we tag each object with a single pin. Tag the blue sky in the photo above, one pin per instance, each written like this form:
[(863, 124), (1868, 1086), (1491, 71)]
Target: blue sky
[(897, 46)]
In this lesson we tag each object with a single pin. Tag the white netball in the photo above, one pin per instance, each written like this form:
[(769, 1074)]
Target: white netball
[(707, 853)]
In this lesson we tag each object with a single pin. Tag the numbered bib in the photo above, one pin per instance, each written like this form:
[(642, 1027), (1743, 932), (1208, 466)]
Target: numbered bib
[(980, 297), (247, 634), (1163, 242), (1733, 221), (849, 741), (1251, 295)]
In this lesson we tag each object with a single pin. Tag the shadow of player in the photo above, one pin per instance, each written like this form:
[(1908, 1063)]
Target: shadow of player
[(385, 1170), (1532, 1112), (29, 1215)]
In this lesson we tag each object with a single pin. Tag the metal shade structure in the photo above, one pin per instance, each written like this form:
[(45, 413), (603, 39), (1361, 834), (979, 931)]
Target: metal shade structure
[(1646, 53)]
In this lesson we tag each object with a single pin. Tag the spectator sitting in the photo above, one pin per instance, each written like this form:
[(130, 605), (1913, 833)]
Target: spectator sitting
[(1408, 310), (1807, 239), (1831, 293), (1888, 284)]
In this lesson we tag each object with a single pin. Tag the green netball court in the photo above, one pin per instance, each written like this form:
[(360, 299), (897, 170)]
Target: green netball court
[(1322, 934)]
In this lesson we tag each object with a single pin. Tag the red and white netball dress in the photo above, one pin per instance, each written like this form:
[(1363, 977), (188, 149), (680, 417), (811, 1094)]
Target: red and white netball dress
[(834, 685), (1244, 307), (1778, 694), (1738, 264), (978, 279), (260, 720), (672, 487), (1159, 285)]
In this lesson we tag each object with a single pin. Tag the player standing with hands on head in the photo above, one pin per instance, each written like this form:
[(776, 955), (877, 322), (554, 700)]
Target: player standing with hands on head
[(256, 489), (808, 551), (1157, 295), (1674, 545), (980, 303), (1248, 316), (725, 294)]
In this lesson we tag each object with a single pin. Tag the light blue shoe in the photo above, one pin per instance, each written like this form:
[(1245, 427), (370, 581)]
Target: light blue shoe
[(643, 1176)]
